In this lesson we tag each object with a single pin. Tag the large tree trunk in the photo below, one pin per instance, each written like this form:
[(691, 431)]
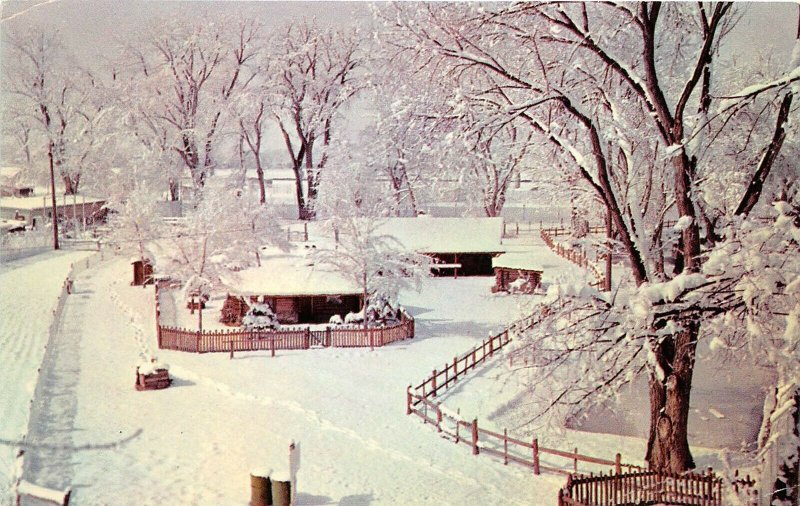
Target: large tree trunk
[(70, 184), (668, 442)]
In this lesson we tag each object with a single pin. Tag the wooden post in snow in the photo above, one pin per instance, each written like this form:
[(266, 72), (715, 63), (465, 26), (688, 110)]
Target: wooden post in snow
[(535, 447), (433, 383), (475, 449), (408, 400)]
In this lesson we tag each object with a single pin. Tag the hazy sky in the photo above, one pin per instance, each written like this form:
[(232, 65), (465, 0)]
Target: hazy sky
[(89, 26), (92, 27)]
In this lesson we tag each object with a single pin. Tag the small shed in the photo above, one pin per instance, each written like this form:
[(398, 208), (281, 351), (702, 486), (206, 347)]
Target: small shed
[(142, 272), (513, 270)]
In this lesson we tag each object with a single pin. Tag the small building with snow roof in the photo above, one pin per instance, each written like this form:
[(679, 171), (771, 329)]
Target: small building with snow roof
[(296, 290), (516, 272), (463, 246), (36, 208)]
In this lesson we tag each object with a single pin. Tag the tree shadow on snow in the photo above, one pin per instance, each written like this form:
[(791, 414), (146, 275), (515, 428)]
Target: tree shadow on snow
[(321, 500)]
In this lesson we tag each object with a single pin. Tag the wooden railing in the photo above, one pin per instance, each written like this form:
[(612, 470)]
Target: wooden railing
[(448, 375), (577, 257), (642, 487), (508, 448)]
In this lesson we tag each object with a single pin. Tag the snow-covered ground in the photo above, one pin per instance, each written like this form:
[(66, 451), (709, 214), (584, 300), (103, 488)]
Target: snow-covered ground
[(29, 291), (196, 442)]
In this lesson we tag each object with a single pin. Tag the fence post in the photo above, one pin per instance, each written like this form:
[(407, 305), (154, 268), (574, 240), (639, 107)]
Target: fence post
[(535, 446), (381, 335), (438, 418), (505, 447), (491, 346), (197, 344), (475, 450), (618, 463), (272, 346), (327, 342), (408, 400), (371, 339), (231, 343), (307, 338), (433, 383), (455, 370), (575, 461)]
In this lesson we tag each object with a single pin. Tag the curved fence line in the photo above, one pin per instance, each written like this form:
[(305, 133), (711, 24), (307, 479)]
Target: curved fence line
[(502, 445), (577, 257)]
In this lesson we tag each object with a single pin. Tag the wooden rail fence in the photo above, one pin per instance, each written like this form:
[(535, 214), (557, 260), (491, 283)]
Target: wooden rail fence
[(577, 257), (642, 487), (508, 448), (211, 341), (502, 445)]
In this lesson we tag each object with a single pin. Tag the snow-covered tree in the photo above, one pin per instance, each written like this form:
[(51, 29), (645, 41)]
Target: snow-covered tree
[(630, 96), (187, 76), (222, 233), (260, 317), (316, 73), (54, 106), (363, 251)]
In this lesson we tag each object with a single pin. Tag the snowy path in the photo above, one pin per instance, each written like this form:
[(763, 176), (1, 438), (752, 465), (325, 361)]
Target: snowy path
[(49, 462), (29, 290)]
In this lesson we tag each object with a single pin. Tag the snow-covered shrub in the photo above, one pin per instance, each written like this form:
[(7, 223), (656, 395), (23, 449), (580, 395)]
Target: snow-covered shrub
[(354, 317), (260, 317), (336, 320)]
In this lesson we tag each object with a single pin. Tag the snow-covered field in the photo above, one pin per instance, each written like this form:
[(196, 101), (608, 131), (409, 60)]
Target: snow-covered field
[(196, 442)]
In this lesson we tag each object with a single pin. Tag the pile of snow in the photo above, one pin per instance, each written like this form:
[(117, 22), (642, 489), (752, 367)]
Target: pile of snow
[(151, 366)]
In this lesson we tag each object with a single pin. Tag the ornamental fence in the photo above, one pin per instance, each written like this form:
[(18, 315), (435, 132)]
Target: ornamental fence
[(233, 340), (642, 487)]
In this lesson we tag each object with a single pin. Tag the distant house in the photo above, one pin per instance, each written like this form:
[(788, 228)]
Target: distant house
[(36, 208), (461, 246), (296, 290), (13, 184)]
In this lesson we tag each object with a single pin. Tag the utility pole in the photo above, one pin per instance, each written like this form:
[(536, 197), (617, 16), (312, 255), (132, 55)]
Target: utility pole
[(53, 195)]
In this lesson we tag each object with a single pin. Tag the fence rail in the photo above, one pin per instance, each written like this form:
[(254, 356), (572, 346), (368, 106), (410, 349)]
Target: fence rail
[(642, 487), (447, 376)]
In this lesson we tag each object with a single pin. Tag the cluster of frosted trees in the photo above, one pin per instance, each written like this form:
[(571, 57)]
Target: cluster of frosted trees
[(633, 106)]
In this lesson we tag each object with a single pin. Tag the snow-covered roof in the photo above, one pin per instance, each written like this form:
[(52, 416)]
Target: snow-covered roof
[(290, 274), (9, 173), (43, 201), (518, 260), (446, 235), (9, 225)]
